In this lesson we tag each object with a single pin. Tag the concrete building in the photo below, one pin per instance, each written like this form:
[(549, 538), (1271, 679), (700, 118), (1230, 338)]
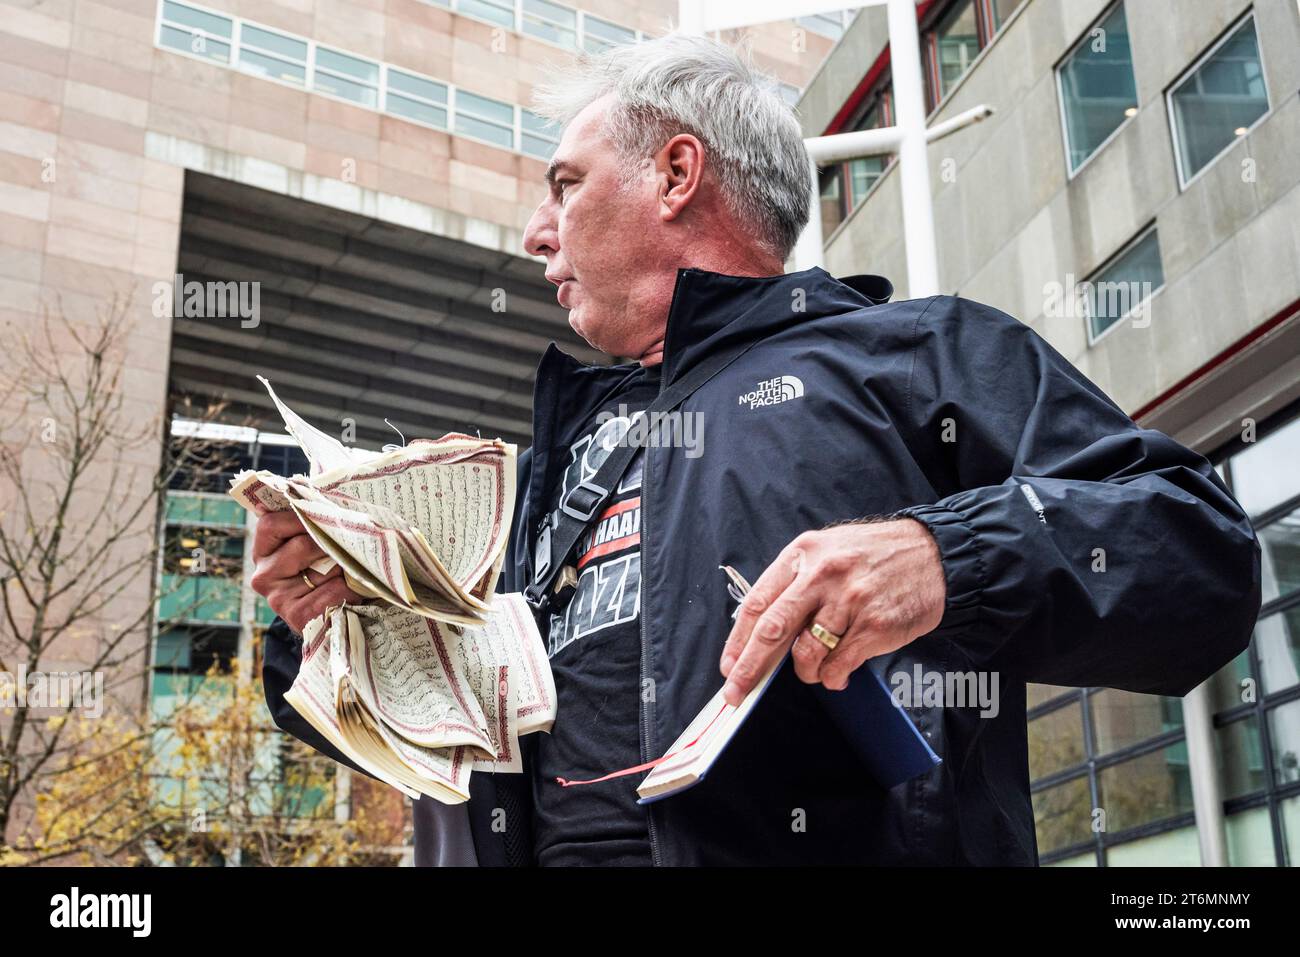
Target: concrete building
[(363, 168), (1134, 199)]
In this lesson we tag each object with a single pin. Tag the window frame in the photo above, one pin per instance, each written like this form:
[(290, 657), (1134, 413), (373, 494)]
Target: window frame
[(1273, 794), (882, 96), (526, 16), (387, 70), (1191, 70), (231, 42), (986, 35), (1141, 234), (377, 86), (308, 63), (604, 43), (580, 30), (455, 111), (930, 42), (524, 131), (1090, 769), (514, 127), (1070, 174)]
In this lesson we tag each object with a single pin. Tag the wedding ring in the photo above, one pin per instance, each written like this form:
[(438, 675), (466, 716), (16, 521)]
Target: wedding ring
[(307, 580), (825, 636)]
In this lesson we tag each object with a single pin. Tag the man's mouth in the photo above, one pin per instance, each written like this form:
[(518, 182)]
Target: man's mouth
[(562, 291)]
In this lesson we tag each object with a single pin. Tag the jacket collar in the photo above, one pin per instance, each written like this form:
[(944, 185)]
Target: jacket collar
[(709, 311)]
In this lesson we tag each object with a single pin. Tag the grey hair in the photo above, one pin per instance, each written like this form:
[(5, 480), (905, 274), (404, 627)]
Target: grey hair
[(690, 84)]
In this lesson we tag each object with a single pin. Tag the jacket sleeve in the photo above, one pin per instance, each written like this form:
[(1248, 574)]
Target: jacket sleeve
[(1078, 548), (281, 657)]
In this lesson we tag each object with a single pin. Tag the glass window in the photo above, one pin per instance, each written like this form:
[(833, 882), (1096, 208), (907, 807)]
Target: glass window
[(1147, 788), (1218, 101), (273, 55), (599, 35), (1001, 11), (195, 31), (1056, 741), (552, 22), (1180, 848), (1063, 815), (348, 77), (1277, 643), (1036, 694), (1284, 730), (172, 650), (416, 98), (495, 11), (276, 43), (1230, 684), (1097, 88), (190, 508), (1122, 718), (1240, 758), (865, 172), (209, 23), (1123, 284), (1264, 474), (1250, 839), (487, 119), (1079, 860), (540, 136), (194, 650), (830, 188), (955, 45), (1290, 809), (1279, 542)]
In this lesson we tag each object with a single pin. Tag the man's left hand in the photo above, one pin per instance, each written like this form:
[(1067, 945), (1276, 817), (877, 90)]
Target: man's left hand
[(879, 585)]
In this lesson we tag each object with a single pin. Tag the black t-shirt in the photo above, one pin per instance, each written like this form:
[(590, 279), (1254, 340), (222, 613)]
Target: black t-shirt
[(594, 644)]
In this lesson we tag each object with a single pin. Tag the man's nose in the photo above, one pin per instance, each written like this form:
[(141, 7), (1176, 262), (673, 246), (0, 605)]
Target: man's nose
[(540, 235)]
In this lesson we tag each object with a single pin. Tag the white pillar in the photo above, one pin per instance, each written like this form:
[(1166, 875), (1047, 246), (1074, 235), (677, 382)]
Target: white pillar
[(1207, 795), (913, 165), (808, 250)]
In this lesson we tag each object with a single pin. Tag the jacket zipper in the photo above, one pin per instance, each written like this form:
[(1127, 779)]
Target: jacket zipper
[(647, 704)]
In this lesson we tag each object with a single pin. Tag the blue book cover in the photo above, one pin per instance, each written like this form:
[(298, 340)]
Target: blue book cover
[(878, 730)]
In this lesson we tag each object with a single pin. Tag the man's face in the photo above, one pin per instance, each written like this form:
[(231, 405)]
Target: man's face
[(599, 240)]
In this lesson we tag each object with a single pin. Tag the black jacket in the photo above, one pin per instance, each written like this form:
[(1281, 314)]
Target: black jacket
[(1078, 550)]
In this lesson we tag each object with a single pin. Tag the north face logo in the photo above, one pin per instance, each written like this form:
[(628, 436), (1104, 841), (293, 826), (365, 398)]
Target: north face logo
[(772, 391)]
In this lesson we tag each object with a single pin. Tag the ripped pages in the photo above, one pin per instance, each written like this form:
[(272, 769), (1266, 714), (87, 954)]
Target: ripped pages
[(438, 675)]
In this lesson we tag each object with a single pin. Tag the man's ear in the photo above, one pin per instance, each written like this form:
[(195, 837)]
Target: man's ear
[(680, 165)]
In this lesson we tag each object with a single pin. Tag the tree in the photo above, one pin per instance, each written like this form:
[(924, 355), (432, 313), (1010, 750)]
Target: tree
[(89, 772)]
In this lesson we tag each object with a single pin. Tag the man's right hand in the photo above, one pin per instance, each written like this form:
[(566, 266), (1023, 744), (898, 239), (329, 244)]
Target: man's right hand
[(282, 550)]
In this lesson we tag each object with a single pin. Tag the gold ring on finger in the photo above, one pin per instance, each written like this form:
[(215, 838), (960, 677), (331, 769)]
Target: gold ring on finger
[(825, 636)]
